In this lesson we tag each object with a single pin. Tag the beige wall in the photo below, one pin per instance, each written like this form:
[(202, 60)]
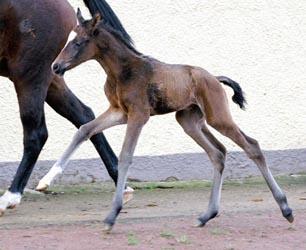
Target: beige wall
[(261, 44)]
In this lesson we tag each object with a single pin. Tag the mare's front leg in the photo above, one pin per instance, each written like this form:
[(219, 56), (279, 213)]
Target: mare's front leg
[(65, 103), (135, 123), (31, 104)]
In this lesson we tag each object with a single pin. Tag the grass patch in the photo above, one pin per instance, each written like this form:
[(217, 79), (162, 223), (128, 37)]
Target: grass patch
[(184, 240), (215, 231), (167, 234), (132, 240)]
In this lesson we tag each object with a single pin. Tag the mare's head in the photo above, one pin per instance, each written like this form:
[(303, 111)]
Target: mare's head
[(82, 47)]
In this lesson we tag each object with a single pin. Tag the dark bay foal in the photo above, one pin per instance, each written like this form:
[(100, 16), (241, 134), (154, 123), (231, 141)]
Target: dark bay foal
[(138, 87)]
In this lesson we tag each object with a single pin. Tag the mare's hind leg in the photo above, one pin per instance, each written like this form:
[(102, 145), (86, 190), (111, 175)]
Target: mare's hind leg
[(31, 104), (252, 149), (192, 122), (64, 102)]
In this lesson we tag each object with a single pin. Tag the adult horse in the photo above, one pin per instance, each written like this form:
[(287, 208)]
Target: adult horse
[(29, 43)]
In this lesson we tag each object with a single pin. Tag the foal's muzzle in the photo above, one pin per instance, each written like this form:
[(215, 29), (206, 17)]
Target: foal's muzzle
[(58, 69)]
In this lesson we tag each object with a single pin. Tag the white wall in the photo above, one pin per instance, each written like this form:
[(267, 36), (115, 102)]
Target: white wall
[(261, 44)]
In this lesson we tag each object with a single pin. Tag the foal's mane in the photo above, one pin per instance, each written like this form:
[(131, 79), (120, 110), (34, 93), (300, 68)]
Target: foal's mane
[(118, 34)]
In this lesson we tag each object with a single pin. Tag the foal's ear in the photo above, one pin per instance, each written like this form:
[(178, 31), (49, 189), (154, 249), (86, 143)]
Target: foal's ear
[(80, 17), (95, 25)]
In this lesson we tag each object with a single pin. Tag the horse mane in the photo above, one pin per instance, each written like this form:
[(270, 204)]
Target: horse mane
[(118, 35), (108, 15)]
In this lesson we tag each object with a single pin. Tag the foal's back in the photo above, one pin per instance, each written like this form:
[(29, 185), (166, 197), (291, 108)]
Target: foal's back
[(181, 86)]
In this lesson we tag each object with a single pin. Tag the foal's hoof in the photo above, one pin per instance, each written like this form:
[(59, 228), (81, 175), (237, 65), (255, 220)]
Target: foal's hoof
[(12, 206), (127, 195), (290, 218), (2, 212), (288, 214), (41, 187), (107, 228), (199, 224)]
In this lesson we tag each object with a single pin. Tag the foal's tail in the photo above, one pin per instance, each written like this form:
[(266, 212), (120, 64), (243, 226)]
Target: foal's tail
[(108, 15), (238, 96)]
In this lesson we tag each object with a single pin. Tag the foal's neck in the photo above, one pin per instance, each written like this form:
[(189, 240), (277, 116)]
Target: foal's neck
[(116, 58)]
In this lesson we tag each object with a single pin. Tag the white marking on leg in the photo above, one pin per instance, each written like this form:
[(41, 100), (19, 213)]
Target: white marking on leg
[(50, 176), (9, 199)]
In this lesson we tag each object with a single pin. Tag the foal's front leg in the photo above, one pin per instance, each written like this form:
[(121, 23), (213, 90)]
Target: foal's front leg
[(134, 126), (108, 119)]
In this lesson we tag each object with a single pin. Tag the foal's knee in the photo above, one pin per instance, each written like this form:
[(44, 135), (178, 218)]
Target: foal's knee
[(82, 134)]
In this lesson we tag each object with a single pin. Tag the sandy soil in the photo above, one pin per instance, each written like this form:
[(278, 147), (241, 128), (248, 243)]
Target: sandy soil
[(158, 218)]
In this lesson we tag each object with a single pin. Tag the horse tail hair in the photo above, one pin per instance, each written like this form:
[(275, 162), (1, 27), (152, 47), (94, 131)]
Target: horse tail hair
[(238, 96), (108, 15)]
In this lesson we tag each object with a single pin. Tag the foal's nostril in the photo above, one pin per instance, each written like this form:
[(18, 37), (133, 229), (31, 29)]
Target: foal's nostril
[(56, 68)]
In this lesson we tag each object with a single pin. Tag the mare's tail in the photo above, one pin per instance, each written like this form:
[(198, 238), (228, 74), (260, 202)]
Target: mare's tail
[(107, 14), (238, 96)]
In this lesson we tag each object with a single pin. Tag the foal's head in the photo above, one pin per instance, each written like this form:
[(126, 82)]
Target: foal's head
[(83, 47)]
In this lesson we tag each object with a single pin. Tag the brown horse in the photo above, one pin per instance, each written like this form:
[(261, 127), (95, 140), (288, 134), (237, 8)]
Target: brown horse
[(138, 87), (32, 33)]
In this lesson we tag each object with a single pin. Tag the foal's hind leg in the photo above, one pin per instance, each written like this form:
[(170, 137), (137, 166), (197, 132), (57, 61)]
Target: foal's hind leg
[(193, 124), (252, 149)]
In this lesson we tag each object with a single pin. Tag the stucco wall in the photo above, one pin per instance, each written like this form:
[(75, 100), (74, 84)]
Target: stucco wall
[(260, 44)]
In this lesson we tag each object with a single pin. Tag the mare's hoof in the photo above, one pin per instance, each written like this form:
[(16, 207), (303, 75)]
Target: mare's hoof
[(127, 195), (107, 228), (2, 212), (41, 187)]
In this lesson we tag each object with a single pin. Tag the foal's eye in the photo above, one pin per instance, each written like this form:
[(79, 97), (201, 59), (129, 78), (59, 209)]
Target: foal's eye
[(77, 45)]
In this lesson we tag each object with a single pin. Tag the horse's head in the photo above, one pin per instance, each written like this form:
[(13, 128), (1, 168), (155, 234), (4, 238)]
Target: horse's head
[(81, 45)]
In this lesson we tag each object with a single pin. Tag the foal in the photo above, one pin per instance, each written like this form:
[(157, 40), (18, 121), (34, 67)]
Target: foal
[(138, 87)]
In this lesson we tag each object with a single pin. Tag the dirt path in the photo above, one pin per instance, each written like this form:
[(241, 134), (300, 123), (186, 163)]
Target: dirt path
[(70, 218)]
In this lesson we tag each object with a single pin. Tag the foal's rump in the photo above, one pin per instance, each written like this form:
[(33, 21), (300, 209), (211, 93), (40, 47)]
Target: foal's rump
[(211, 96)]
